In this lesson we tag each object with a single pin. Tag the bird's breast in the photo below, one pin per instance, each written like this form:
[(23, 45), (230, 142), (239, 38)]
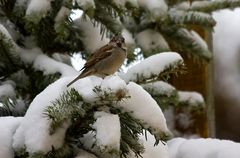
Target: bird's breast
[(112, 63)]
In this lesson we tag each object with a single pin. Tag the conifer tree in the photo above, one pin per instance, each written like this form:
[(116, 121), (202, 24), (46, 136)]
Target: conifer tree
[(95, 117)]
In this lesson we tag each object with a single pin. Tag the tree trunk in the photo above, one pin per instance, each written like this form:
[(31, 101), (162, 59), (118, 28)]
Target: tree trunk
[(199, 78)]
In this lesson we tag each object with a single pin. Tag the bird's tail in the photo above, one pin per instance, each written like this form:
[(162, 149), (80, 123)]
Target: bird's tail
[(82, 75)]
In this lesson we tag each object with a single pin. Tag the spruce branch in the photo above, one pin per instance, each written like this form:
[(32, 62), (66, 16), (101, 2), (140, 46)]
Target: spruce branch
[(185, 41), (63, 152), (7, 6), (210, 6), (165, 94), (172, 69), (12, 106), (108, 18), (69, 106), (9, 58), (191, 17), (130, 131), (175, 2)]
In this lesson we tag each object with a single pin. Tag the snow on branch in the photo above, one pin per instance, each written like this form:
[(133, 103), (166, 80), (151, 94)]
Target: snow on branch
[(164, 93), (190, 42), (151, 42), (154, 67), (210, 6), (156, 8), (39, 8), (91, 114), (6, 40), (108, 133), (86, 4), (145, 109), (159, 88), (8, 126), (191, 98), (9, 57), (191, 17), (35, 121), (7, 90), (203, 148), (44, 63), (91, 38)]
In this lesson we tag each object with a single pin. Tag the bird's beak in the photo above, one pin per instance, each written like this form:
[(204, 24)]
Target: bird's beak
[(124, 46)]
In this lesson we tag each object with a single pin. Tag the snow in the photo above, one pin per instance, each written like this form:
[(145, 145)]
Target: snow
[(199, 40), (62, 13), (159, 87), (152, 65), (144, 108), (86, 4), (128, 38), (64, 58), (8, 37), (104, 141), (108, 132), (5, 31), (33, 131), (151, 151), (86, 85), (193, 98), (44, 63), (77, 61), (29, 55), (8, 126), (91, 35), (226, 44), (50, 66), (201, 4), (108, 124), (7, 90), (156, 7), (203, 148), (36, 6), (113, 82), (150, 40)]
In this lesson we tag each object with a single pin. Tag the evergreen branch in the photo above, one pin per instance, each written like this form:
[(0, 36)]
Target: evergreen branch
[(68, 106), (130, 131), (165, 94), (10, 107), (210, 6), (65, 38), (107, 19), (108, 97), (35, 81), (191, 99), (63, 152), (9, 59), (184, 41), (7, 6), (175, 2), (172, 69), (191, 17)]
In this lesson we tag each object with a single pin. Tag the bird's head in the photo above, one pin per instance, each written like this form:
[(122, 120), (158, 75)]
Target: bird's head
[(118, 41)]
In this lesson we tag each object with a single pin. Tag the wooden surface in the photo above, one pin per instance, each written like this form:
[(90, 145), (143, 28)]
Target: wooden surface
[(199, 78)]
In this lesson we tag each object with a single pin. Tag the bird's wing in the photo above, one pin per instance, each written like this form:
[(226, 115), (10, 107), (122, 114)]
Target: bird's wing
[(98, 55)]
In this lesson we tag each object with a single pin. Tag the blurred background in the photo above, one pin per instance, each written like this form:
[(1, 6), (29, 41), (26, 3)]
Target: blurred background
[(226, 46)]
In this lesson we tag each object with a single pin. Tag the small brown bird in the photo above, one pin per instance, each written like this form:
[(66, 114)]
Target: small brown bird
[(106, 60)]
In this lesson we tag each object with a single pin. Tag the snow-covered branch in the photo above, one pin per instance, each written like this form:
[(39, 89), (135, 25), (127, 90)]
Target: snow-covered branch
[(153, 68)]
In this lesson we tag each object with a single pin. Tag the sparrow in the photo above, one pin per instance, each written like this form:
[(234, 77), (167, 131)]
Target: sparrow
[(106, 60)]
